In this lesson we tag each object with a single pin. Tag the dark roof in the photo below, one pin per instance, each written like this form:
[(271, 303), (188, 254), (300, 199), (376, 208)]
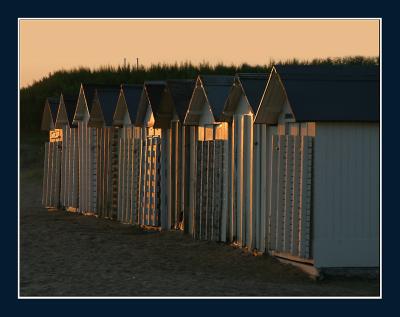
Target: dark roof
[(89, 90), (253, 86), (332, 93), (181, 92), (155, 91), (132, 94), (70, 106), (217, 89), (53, 103), (108, 98)]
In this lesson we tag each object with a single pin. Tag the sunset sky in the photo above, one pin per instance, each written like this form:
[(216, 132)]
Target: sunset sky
[(49, 45)]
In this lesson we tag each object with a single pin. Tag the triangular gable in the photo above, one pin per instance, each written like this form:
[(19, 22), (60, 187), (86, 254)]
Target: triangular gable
[(62, 117), (273, 100), (121, 110), (128, 104), (96, 118), (246, 94), (152, 95), (82, 109), (103, 107), (65, 112), (195, 108), (49, 114), (47, 119)]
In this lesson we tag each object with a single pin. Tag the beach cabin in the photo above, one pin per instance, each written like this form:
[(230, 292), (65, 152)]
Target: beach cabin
[(321, 126), (105, 143), (208, 194), (87, 143), (246, 221), (150, 200), (69, 154), (175, 150), (52, 155), (129, 152)]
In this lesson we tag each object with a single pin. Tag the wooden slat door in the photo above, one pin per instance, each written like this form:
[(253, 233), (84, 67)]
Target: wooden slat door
[(210, 192), (289, 217)]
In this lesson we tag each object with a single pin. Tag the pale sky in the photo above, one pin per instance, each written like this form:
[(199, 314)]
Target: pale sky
[(49, 45)]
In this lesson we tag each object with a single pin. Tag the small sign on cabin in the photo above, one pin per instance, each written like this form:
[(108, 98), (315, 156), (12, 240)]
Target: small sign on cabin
[(56, 135)]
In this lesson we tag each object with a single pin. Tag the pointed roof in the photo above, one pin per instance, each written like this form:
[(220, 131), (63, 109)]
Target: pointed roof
[(212, 91), (322, 93), (181, 91), (66, 110), (132, 94), (217, 90), (152, 94), (107, 99), (251, 86), (49, 115), (85, 98)]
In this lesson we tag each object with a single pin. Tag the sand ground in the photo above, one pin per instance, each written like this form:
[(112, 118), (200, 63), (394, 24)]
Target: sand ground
[(66, 254)]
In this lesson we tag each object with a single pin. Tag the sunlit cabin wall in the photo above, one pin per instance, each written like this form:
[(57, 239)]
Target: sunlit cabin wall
[(209, 180), (241, 224), (263, 188), (107, 158), (150, 195), (129, 166), (87, 168), (69, 169)]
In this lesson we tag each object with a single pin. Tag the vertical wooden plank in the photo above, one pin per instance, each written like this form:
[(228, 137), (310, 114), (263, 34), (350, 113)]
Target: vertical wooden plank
[(274, 166), (240, 220), (198, 189), (305, 211), (281, 193), (204, 193), (186, 179), (192, 181), (288, 198), (248, 178), (210, 186), (45, 172), (170, 219), (263, 186), (231, 182), (296, 192), (225, 193), (256, 188)]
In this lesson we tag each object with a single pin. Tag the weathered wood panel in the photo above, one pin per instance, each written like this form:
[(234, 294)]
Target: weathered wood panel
[(52, 175), (290, 202), (149, 212)]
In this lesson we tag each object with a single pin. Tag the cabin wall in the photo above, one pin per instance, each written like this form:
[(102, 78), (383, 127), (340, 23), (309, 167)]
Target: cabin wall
[(346, 195), (87, 141), (241, 179), (151, 195), (69, 169)]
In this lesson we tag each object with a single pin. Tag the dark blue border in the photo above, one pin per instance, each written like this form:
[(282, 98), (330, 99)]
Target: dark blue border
[(197, 9)]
